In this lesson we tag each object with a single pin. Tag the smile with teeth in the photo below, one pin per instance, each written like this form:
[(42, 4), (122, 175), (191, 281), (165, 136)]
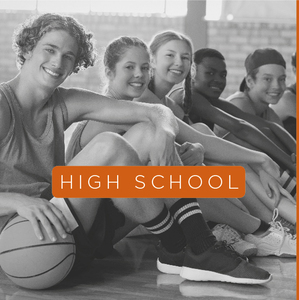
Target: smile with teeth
[(136, 84), (215, 88), (273, 94), (51, 72), (178, 72)]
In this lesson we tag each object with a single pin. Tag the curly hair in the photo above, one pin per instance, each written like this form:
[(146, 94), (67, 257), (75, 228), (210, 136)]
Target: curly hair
[(27, 35)]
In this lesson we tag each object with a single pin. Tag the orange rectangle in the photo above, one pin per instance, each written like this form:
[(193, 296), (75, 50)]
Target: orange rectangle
[(148, 182)]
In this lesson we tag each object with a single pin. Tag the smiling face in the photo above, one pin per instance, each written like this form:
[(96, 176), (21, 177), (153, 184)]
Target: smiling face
[(210, 77), (171, 63), (131, 75), (53, 58), (269, 84)]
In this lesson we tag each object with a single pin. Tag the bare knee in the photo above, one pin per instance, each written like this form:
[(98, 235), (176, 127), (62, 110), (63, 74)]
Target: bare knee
[(107, 149), (140, 136), (203, 128)]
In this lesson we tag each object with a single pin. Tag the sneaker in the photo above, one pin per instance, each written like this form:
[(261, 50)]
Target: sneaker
[(275, 241), (221, 263), (169, 263), (233, 238)]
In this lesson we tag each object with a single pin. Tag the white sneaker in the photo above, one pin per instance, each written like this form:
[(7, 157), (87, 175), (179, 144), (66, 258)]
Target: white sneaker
[(275, 241), (233, 238)]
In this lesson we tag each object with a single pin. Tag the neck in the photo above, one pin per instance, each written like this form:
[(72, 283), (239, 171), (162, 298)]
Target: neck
[(30, 97), (258, 106), (162, 88), (111, 93)]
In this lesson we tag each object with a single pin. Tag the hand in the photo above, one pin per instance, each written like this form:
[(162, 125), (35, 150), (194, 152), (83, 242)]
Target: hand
[(40, 210), (192, 154), (271, 167), (274, 189)]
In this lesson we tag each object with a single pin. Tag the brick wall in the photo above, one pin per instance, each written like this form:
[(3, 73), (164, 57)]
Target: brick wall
[(234, 40), (104, 28)]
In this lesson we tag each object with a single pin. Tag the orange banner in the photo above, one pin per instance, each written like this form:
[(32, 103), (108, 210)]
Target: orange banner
[(148, 182)]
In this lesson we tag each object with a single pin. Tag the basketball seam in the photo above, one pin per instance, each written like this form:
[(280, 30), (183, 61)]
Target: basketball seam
[(32, 276), (34, 246), (21, 221)]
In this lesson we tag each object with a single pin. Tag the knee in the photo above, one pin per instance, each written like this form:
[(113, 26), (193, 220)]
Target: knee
[(114, 148), (203, 128)]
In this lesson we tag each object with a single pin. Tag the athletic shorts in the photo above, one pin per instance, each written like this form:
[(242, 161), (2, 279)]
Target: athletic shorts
[(98, 243)]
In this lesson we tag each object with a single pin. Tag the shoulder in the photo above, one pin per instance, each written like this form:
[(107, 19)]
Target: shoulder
[(240, 100), (177, 95), (5, 116), (286, 106), (273, 116), (148, 97)]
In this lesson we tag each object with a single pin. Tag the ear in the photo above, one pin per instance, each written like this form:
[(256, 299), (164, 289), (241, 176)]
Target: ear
[(249, 81), (108, 73), (27, 55)]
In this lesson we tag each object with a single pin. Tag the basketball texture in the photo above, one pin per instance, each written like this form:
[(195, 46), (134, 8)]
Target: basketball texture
[(31, 263)]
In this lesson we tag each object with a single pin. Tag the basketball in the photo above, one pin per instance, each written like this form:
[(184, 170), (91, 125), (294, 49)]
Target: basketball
[(30, 262)]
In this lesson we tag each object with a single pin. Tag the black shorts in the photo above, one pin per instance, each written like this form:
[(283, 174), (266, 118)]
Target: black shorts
[(98, 243)]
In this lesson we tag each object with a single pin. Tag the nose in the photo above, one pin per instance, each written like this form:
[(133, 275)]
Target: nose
[(219, 78), (178, 60), (56, 61), (278, 84), (138, 72)]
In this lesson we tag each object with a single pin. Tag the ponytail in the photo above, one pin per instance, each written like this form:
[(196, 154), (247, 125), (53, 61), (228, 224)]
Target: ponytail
[(187, 102)]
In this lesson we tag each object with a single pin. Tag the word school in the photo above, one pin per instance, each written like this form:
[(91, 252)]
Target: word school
[(148, 182)]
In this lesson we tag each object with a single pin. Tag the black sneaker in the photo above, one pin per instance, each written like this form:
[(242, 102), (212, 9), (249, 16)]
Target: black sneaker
[(169, 263), (221, 263)]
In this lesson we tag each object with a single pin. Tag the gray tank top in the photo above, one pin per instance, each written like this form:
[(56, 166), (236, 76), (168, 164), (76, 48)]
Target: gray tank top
[(26, 161)]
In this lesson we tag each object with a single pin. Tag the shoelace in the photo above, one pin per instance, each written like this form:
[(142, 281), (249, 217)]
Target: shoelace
[(277, 225), (229, 249), (231, 234)]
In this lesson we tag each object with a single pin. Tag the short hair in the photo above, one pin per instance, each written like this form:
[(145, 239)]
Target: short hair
[(27, 35), (201, 54), (118, 47)]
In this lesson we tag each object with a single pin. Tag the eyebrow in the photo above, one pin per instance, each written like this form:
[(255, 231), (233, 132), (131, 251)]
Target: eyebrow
[(282, 75), (56, 47), (214, 69), (182, 53)]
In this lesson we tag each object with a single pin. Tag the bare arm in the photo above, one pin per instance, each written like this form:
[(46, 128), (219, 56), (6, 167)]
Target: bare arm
[(217, 149), (242, 125), (82, 104)]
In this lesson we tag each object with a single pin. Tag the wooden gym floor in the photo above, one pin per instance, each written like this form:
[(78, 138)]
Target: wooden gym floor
[(130, 273)]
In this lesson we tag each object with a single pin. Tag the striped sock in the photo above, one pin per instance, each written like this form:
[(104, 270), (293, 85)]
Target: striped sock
[(198, 234), (288, 183), (169, 232)]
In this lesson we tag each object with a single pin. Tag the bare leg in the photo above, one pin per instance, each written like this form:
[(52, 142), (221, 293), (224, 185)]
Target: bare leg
[(111, 149), (286, 208), (225, 212)]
